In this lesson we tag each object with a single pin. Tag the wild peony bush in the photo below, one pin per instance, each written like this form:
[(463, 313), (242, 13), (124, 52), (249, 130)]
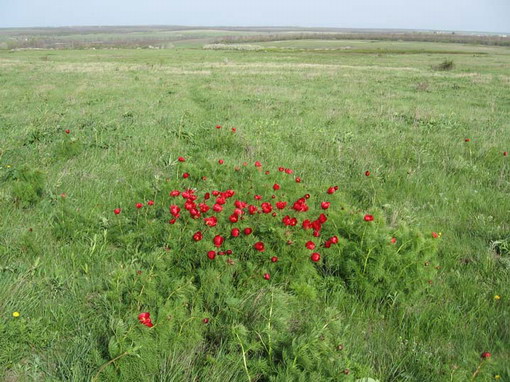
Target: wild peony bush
[(265, 222)]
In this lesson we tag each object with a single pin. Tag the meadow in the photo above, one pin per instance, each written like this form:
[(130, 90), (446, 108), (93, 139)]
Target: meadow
[(417, 294)]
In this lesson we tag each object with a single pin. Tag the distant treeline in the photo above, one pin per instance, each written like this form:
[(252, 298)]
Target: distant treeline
[(63, 43), (416, 36), (162, 37)]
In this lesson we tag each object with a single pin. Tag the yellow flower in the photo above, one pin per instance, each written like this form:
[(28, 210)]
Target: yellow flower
[(497, 376), (15, 314), (8, 166), (497, 297)]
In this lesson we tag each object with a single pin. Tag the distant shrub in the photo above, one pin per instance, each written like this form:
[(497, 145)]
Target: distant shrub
[(445, 65)]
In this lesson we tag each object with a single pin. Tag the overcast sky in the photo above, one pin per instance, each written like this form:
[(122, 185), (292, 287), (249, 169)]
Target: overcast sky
[(460, 15)]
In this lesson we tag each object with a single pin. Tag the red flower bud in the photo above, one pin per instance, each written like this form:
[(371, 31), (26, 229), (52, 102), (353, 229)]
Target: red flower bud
[(218, 240), (117, 211), (368, 218), (325, 205), (315, 257), (486, 355), (259, 246)]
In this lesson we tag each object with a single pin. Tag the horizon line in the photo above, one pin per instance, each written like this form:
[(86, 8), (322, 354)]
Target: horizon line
[(250, 27)]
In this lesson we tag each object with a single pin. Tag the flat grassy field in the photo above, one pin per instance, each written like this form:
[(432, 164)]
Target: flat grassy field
[(418, 294)]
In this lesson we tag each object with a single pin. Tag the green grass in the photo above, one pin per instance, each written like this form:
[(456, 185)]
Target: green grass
[(69, 267)]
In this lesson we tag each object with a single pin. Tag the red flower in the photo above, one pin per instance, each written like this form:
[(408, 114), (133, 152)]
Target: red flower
[(217, 208), (316, 233), (393, 240), (218, 126), (252, 210), (266, 172), (505, 153), (211, 255), (334, 239), (368, 218), (150, 203), (310, 245), (281, 205), (259, 246), (145, 319), (211, 221), (175, 193), (258, 164), (281, 169), (325, 205), (205, 320), (68, 131), (207, 196), (315, 257), (435, 235), (257, 197), (267, 276), (298, 180), (276, 186), (181, 159), (274, 259), (221, 161), (198, 236), (139, 205), (218, 240), (117, 211), (234, 129), (322, 219), (203, 207), (174, 210), (467, 140), (486, 355), (248, 231), (367, 173), (288, 171), (266, 207), (240, 204), (306, 224), (185, 175), (234, 218), (172, 221), (332, 190), (235, 232)]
